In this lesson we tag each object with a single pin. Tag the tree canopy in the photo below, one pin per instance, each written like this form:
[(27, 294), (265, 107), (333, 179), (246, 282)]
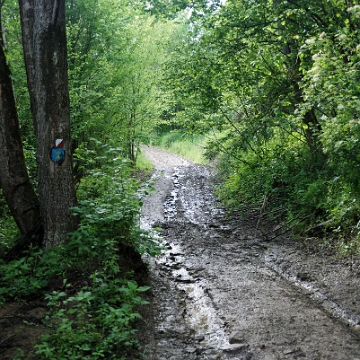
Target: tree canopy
[(278, 82)]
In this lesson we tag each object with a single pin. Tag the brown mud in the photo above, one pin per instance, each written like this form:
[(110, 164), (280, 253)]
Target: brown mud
[(221, 290)]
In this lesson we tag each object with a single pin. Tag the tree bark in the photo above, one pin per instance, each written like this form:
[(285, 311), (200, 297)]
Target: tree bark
[(45, 51), (14, 180)]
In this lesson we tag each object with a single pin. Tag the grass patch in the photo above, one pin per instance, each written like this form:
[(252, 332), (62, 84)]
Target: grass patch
[(144, 168), (190, 147)]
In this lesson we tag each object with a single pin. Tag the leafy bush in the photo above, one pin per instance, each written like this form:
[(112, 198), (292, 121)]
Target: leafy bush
[(94, 323), (92, 316), (281, 175), (8, 229)]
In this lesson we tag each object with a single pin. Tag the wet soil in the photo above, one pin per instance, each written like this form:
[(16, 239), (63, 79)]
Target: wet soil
[(221, 290), (21, 324)]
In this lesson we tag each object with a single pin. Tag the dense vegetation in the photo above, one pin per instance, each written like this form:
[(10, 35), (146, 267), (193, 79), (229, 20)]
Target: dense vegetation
[(278, 83), (90, 282), (273, 86)]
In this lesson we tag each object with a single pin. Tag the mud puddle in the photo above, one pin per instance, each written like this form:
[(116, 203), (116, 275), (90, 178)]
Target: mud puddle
[(221, 291)]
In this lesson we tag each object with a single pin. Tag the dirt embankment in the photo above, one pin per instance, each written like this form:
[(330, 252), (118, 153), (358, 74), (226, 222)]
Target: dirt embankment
[(221, 291)]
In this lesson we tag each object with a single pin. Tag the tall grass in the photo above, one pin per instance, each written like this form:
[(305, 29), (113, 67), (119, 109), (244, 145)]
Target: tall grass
[(190, 147), (144, 167)]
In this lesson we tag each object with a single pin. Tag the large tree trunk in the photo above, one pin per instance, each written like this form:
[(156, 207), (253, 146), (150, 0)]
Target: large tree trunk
[(44, 42), (14, 180)]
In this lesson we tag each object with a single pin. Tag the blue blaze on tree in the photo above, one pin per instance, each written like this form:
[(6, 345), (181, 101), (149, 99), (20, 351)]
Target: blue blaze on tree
[(45, 52)]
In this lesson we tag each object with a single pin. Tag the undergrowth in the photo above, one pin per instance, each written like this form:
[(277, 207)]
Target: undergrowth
[(144, 165), (189, 146), (87, 281), (292, 187)]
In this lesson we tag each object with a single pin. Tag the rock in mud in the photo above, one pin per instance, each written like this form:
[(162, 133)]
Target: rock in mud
[(236, 338), (234, 347)]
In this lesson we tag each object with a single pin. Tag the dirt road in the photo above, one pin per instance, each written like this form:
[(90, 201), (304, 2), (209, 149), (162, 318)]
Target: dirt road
[(222, 291)]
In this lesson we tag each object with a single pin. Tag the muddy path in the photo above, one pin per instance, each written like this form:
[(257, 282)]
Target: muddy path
[(220, 290)]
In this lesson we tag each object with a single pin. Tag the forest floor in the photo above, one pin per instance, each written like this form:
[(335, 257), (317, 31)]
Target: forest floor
[(223, 290)]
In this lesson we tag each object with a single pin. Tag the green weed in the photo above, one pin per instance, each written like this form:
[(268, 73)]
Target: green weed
[(189, 146), (91, 316)]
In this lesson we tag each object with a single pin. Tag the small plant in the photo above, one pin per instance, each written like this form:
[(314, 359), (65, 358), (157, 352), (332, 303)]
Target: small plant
[(94, 301), (23, 277), (95, 323), (8, 228)]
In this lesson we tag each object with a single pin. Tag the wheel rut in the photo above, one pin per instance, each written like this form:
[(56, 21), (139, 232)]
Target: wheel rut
[(221, 291)]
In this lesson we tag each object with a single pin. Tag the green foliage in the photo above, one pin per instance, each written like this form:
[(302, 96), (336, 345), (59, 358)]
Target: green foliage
[(110, 200), (92, 316), (189, 146), (106, 201), (22, 277), (8, 228), (144, 165), (14, 54), (96, 322), (332, 83), (116, 54), (171, 9), (279, 81)]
